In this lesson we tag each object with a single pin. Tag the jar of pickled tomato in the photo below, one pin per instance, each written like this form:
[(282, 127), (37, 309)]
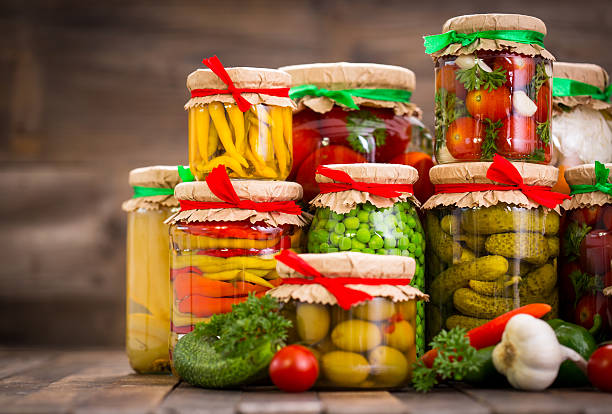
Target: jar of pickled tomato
[(148, 284), (252, 136), (354, 113), (493, 89), (223, 242), (492, 246), (586, 245), (364, 339)]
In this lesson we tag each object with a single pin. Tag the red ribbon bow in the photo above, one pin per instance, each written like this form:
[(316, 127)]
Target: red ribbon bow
[(347, 183), (345, 296), (502, 171), (215, 65), (219, 183)]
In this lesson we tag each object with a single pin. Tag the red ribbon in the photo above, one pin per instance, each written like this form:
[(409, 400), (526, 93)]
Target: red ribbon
[(219, 183), (345, 296), (502, 171), (215, 65), (347, 183)]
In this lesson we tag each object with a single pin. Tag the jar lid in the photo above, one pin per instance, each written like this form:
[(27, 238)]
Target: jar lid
[(585, 175), (242, 77), (158, 176), (586, 73), (350, 264)]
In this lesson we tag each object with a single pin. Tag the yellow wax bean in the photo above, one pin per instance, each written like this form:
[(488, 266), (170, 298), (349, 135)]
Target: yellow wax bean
[(250, 277), (213, 141), (238, 262), (194, 151), (202, 123), (204, 242), (237, 120), (278, 141), (226, 160), (217, 113), (223, 275)]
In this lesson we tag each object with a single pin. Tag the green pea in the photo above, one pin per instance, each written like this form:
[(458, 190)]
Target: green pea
[(394, 252), (368, 206), (339, 228), (324, 247), (350, 233), (330, 225), (313, 248), (390, 221), (335, 216), (334, 238), (365, 226), (411, 222), (363, 235), (324, 212), (352, 213), (402, 243), (351, 223), (420, 272), (345, 243), (356, 250), (319, 236), (397, 234), (356, 244), (332, 250), (405, 253), (376, 242), (321, 224), (368, 250), (408, 231), (416, 238), (418, 251), (390, 242), (403, 217), (421, 259), (363, 216), (400, 206), (411, 247), (381, 251)]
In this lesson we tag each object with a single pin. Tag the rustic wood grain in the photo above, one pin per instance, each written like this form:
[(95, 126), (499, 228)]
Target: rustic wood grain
[(443, 400), (521, 402), (13, 361), (277, 402), (592, 402), (186, 399), (357, 402)]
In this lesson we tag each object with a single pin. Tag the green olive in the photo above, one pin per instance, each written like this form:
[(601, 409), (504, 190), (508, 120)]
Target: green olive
[(389, 366), (376, 309), (312, 322), (345, 368), (356, 335)]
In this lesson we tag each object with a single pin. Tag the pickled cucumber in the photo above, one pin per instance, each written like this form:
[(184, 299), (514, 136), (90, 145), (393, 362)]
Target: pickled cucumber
[(457, 276), (450, 224), (518, 267), (502, 218), (389, 366), (466, 256), (471, 303), (531, 247), (553, 246), (496, 287), (400, 335), (462, 321), (345, 368), (441, 243), (539, 282), (356, 335), (377, 309), (312, 322)]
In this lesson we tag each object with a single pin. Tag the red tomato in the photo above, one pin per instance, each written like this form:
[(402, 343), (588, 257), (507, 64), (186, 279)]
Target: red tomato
[(306, 138), (599, 368), (294, 369), (596, 252), (586, 215), (588, 307), (332, 154), (447, 79), (543, 101), (423, 188), (464, 138), (605, 217), (517, 137), (333, 126), (519, 70), (399, 134), (493, 105)]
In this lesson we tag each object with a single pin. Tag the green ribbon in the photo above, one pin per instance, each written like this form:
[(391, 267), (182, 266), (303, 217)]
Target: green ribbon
[(601, 182), (569, 87), (438, 42), (345, 96), (151, 191), (185, 174)]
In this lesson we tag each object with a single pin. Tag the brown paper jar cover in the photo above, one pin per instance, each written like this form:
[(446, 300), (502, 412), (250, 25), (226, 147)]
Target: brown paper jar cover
[(350, 264), (581, 175), (159, 176), (344, 201), (586, 73)]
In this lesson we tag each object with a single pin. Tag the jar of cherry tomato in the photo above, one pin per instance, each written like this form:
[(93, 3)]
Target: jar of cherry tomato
[(223, 242), (582, 116), (493, 89), (353, 113), (493, 237), (363, 338), (247, 128), (147, 282), (586, 271)]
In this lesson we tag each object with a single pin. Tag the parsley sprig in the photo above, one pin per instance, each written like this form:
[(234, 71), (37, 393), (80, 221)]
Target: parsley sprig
[(456, 358), (489, 146), (447, 109), (475, 78), (537, 81), (538, 154), (366, 130), (574, 235), (543, 131)]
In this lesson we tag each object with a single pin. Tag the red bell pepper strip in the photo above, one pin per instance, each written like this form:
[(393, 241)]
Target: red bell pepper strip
[(203, 307), (235, 230), (188, 270), (490, 333), (181, 329), (187, 284)]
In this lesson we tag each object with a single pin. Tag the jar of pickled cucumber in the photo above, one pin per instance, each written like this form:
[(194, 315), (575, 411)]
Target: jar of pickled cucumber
[(493, 89), (363, 331), (370, 208), (148, 285), (585, 278), (353, 113), (493, 237), (223, 242), (582, 116), (252, 136)]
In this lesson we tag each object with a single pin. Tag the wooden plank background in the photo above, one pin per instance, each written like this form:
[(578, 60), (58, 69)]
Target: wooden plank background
[(92, 89)]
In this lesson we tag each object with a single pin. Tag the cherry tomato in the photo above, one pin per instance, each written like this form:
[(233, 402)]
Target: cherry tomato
[(464, 138), (398, 137), (588, 307), (517, 137), (596, 252), (423, 188), (599, 368), (331, 154), (294, 369), (519, 70), (493, 105), (333, 126), (605, 217), (446, 78), (543, 101), (586, 215), (306, 138)]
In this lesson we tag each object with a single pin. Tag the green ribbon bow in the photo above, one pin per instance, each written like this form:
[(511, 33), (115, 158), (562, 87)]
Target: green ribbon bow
[(185, 174), (438, 42), (345, 96), (569, 87), (601, 176), (151, 191)]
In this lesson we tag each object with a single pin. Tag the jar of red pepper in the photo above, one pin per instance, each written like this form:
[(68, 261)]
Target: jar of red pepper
[(493, 89), (355, 112)]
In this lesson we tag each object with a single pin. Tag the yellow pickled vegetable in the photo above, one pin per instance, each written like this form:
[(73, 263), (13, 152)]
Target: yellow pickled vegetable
[(471, 303), (356, 335), (344, 368), (389, 366), (312, 322), (531, 247)]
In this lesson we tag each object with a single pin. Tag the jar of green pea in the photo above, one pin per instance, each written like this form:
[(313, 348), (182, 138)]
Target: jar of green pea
[(370, 208)]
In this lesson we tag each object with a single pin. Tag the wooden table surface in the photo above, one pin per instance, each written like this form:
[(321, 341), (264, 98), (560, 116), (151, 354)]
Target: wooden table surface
[(101, 381)]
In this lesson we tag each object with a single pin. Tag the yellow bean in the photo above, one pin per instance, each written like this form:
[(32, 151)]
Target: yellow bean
[(226, 160), (217, 113), (237, 120), (223, 275), (278, 141), (288, 128), (213, 141), (202, 123), (250, 277), (194, 153)]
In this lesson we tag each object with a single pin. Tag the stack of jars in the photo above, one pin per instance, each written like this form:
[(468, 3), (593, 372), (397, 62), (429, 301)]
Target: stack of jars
[(493, 244)]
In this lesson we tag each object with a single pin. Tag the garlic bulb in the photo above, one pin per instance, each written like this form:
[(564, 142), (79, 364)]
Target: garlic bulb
[(522, 104), (529, 354), (466, 61)]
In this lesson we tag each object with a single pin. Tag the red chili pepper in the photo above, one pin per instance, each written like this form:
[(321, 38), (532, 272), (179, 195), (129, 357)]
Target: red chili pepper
[(242, 252), (203, 307), (234, 230), (491, 332), (181, 329), (189, 269)]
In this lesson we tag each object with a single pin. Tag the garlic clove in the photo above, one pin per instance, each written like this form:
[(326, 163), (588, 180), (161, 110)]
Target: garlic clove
[(548, 70), (522, 104), (466, 61), (483, 65)]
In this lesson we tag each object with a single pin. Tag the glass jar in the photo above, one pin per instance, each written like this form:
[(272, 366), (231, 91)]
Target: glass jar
[(370, 345), (256, 143), (493, 97), (490, 251), (374, 225), (148, 285), (327, 131), (586, 262), (219, 256)]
